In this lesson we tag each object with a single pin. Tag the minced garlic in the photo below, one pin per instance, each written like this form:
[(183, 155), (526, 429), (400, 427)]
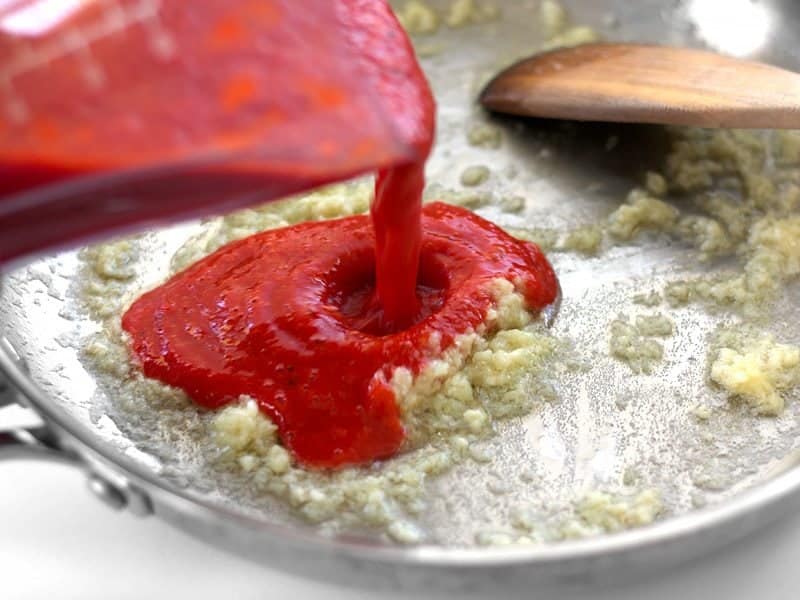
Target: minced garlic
[(590, 514), (756, 369), (611, 513), (574, 36), (789, 147), (554, 18), (474, 175), (656, 184), (641, 212), (739, 207), (586, 240), (635, 343), (470, 12), (484, 135), (418, 17)]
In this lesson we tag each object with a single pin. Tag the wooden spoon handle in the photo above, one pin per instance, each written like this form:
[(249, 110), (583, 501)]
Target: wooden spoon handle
[(648, 84)]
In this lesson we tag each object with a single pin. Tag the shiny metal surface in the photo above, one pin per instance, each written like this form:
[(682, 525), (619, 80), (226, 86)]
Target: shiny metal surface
[(604, 421)]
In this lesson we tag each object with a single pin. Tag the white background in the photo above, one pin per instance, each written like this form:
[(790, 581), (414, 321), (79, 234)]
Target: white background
[(59, 542)]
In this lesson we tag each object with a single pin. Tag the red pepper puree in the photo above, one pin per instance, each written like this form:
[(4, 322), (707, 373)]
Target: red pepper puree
[(209, 106), (222, 104), (291, 318), (311, 320)]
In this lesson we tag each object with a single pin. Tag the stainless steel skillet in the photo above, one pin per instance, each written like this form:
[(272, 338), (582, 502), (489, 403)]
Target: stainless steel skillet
[(585, 440)]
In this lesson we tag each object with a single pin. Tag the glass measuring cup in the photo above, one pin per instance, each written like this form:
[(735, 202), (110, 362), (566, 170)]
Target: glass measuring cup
[(117, 113)]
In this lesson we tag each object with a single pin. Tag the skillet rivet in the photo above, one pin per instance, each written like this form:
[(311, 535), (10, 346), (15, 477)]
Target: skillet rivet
[(106, 492)]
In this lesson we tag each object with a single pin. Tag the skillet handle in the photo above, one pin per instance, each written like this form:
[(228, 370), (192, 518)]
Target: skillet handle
[(26, 443), (41, 442), (35, 443)]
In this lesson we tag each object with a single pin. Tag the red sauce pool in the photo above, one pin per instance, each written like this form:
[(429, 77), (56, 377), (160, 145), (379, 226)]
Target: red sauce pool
[(291, 318)]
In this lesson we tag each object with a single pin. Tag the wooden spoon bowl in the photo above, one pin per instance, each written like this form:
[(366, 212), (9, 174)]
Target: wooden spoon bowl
[(648, 84)]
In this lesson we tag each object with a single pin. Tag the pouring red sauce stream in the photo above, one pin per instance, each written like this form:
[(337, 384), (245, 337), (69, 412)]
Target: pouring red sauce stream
[(312, 319)]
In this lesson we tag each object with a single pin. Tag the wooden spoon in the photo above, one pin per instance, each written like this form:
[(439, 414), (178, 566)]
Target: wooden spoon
[(648, 84)]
